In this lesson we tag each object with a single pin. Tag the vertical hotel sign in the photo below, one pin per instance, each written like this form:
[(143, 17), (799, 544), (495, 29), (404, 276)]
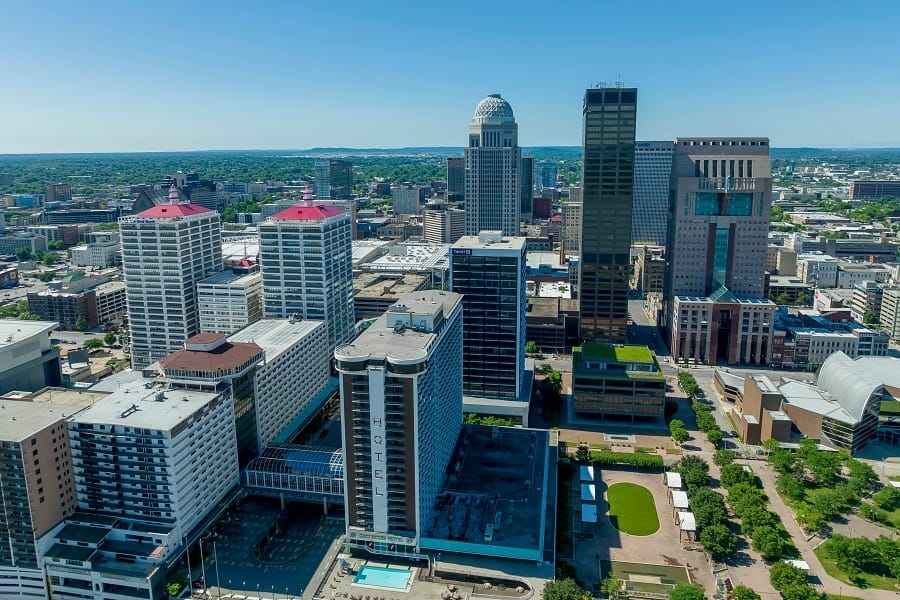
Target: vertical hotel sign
[(379, 451)]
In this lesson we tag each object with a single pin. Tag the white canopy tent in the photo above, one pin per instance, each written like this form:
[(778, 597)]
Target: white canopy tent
[(679, 500), (673, 480)]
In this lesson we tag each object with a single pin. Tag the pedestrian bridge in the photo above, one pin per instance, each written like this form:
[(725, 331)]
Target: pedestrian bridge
[(299, 473)]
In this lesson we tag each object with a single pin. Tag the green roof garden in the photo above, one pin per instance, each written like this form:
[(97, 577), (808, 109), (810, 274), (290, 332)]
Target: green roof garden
[(617, 353)]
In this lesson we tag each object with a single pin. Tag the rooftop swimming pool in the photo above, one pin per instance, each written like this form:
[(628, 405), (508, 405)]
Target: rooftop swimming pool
[(383, 577)]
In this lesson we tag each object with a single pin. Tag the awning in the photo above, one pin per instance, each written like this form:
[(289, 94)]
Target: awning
[(686, 521), (680, 499), (673, 480)]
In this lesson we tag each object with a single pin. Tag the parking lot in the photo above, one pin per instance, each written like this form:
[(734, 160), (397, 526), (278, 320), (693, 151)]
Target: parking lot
[(284, 568)]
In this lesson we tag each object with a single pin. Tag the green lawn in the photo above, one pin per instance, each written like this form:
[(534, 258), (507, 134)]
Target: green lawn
[(631, 509), (864, 580), (839, 597)]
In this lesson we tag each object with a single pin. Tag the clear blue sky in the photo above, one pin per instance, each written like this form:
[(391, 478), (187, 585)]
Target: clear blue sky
[(156, 75)]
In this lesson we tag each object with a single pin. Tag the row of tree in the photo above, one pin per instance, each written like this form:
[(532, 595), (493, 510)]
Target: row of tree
[(708, 507)]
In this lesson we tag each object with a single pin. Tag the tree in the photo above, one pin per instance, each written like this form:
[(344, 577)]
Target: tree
[(687, 591), (724, 457), (770, 543), (583, 453), (81, 324), (887, 498), (715, 437), (708, 508), (531, 347), (734, 473), (771, 445), (783, 575), (47, 276), (680, 436), (563, 589), (718, 541), (742, 592), (610, 585), (23, 254), (109, 339), (93, 344), (824, 467), (783, 299), (803, 299), (50, 258), (870, 317)]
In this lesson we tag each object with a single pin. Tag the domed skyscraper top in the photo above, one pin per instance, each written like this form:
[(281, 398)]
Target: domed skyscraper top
[(493, 109)]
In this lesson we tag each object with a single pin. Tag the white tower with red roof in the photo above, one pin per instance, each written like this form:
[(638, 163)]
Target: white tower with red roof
[(166, 250), (305, 257)]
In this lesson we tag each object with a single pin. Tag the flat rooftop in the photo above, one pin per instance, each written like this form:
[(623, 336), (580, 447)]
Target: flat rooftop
[(20, 419), (379, 340), (500, 482), (230, 278), (618, 353), (411, 256), (380, 285), (500, 243), (275, 335), (13, 331), (144, 403)]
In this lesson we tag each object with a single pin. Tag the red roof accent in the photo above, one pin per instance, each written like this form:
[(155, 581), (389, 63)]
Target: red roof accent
[(166, 211), (303, 212)]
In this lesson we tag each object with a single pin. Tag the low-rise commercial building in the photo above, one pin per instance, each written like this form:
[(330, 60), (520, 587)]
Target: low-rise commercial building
[(618, 383), (97, 255), (27, 360), (374, 293)]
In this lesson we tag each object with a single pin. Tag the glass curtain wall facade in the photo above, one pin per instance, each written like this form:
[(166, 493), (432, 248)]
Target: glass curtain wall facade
[(607, 180)]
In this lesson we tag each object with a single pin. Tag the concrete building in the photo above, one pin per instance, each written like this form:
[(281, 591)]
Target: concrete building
[(11, 242), (443, 224), (652, 168), (866, 301), (650, 269), (571, 218), (618, 383), (97, 255), (374, 293), (190, 435), (57, 192), (493, 159), (401, 405), (65, 307), (413, 257), (456, 179), (166, 250), (407, 200), (607, 192), (716, 249), (305, 254), (551, 323), (849, 274), (81, 215), (32, 438), (889, 317), (784, 289), (230, 300), (489, 271), (27, 362), (812, 346)]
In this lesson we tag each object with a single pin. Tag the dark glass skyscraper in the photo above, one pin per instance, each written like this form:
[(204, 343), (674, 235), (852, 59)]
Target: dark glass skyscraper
[(607, 184)]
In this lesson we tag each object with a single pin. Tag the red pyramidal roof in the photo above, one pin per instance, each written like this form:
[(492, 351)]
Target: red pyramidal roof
[(174, 208), (305, 212)]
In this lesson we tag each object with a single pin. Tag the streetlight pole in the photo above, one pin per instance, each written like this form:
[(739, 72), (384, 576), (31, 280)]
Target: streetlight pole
[(202, 565), (218, 581)]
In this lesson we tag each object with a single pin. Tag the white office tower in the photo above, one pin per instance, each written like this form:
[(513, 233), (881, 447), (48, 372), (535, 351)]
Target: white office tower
[(166, 250), (401, 401), (306, 260), (652, 166), (443, 224), (152, 453), (230, 300), (493, 157)]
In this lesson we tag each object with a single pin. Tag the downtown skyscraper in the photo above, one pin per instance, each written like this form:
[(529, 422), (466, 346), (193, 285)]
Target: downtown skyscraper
[(607, 185), (166, 251), (493, 162)]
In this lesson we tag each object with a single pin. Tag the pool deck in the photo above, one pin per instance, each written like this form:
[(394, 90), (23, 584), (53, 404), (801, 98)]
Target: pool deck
[(411, 573)]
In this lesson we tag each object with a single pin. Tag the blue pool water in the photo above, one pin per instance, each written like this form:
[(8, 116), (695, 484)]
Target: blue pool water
[(395, 579)]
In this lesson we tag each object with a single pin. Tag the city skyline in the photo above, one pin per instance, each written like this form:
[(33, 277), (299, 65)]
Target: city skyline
[(234, 77)]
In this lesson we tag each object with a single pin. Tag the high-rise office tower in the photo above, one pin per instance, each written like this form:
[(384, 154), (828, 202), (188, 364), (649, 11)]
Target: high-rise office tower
[(305, 259), (607, 182), (443, 224), (493, 158), (456, 179), (334, 179), (401, 405), (652, 166), (720, 199), (57, 192), (571, 216), (526, 186), (407, 199), (166, 250), (545, 174), (489, 271)]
